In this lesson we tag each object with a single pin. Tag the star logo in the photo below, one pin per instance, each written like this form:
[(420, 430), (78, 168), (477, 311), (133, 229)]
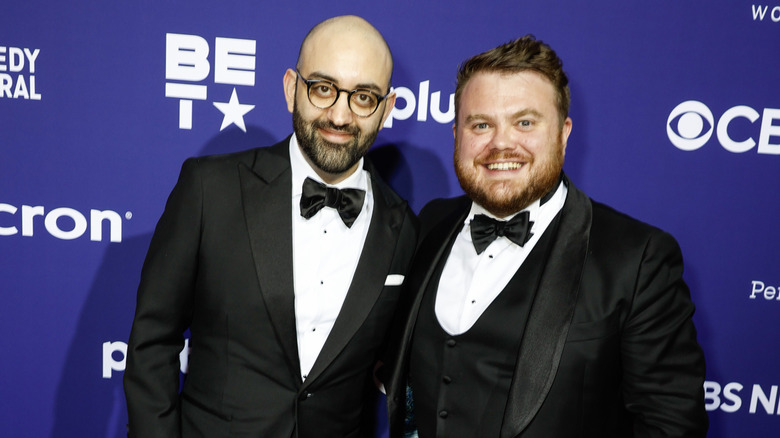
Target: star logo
[(233, 112)]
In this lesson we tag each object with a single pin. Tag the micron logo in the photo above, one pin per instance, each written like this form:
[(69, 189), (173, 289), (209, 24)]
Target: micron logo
[(63, 223)]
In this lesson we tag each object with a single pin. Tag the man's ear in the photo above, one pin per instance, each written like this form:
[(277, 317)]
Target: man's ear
[(565, 131), (290, 81), (389, 105)]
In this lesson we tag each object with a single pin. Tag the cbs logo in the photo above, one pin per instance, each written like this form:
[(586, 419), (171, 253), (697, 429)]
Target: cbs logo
[(691, 124)]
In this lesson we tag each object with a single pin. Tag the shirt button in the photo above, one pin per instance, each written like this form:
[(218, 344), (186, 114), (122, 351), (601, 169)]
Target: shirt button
[(443, 414), (451, 342), (446, 379)]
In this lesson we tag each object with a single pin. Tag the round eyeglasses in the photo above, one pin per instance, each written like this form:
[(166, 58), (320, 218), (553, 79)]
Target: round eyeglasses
[(324, 94)]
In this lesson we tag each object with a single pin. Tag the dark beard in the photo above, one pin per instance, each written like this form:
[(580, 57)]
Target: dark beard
[(331, 157), (541, 182)]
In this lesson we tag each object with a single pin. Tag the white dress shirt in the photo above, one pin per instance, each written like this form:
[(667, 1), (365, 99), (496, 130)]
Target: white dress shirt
[(325, 256), (471, 281)]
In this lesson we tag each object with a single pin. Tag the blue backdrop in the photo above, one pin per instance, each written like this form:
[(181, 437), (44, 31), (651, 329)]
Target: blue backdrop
[(676, 110)]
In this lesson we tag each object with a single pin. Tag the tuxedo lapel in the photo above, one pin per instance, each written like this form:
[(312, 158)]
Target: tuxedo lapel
[(440, 221), (266, 195), (551, 315), (433, 246), (370, 274)]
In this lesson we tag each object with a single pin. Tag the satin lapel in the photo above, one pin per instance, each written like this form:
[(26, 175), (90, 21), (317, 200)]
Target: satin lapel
[(266, 194), (551, 315), (429, 253), (368, 281)]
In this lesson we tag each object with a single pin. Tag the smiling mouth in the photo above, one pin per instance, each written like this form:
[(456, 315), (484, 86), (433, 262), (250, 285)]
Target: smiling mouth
[(336, 137), (336, 132), (504, 166), (331, 130)]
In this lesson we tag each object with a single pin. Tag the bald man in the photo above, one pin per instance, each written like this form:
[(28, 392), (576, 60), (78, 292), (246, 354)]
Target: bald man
[(285, 263)]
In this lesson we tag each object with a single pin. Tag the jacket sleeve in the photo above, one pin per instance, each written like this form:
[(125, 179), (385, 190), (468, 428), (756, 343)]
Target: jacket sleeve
[(163, 312), (663, 364)]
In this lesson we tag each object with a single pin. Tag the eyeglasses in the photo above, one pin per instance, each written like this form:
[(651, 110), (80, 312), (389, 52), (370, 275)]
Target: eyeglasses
[(324, 94)]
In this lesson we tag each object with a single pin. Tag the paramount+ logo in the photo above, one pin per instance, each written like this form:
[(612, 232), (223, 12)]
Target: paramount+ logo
[(421, 105), (115, 357), (692, 124)]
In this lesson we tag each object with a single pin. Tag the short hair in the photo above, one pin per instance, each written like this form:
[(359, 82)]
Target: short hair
[(523, 54)]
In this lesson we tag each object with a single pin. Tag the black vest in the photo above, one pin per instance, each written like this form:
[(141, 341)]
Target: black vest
[(464, 380)]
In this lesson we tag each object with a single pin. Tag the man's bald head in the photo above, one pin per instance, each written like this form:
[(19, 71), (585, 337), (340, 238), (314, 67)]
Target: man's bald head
[(349, 32)]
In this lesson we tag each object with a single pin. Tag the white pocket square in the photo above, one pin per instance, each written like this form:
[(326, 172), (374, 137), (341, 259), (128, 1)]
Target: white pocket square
[(394, 280)]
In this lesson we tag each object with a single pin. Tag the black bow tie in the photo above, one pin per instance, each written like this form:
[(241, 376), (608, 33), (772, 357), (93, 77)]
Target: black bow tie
[(348, 202), (484, 230)]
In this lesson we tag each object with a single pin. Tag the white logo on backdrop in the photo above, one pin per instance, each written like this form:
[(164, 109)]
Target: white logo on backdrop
[(690, 126), (17, 73), (63, 223), (690, 134), (115, 357), (421, 105), (187, 65), (729, 398), (760, 13), (765, 291)]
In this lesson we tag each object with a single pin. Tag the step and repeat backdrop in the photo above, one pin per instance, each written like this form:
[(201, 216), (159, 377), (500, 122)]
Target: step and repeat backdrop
[(676, 110)]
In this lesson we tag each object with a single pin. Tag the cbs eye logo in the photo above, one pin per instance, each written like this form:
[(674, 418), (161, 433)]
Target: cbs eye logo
[(691, 124)]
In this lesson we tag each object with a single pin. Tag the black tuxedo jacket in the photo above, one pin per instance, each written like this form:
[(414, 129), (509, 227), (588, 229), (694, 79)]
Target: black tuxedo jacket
[(609, 348), (220, 264)]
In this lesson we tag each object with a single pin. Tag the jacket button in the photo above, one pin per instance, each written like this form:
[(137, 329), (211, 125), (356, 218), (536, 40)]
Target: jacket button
[(443, 414), (446, 379), (305, 395), (451, 342)]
